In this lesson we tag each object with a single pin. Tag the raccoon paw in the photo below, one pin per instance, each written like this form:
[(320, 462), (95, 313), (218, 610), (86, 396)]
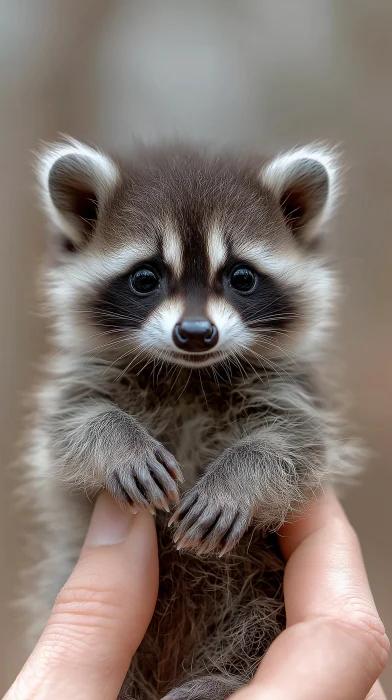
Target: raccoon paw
[(147, 479), (210, 519), (205, 688)]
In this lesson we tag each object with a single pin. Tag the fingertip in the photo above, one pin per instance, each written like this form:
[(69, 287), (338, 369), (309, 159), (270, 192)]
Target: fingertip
[(142, 535), (124, 542), (110, 522)]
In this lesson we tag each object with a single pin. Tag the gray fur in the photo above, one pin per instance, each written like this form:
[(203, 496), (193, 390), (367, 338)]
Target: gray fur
[(255, 437)]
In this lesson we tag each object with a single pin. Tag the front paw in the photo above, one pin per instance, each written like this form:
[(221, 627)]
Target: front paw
[(147, 477), (211, 517)]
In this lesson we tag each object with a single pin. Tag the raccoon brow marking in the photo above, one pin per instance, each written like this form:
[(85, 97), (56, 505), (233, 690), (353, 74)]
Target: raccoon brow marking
[(101, 266), (270, 263), (216, 249), (172, 248)]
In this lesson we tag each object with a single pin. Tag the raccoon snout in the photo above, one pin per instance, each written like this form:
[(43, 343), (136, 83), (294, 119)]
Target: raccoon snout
[(195, 335)]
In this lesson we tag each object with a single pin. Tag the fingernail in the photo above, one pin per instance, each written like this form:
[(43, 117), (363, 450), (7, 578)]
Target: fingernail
[(110, 524)]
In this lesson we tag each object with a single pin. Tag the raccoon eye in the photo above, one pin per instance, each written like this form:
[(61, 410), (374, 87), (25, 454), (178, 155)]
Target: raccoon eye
[(144, 280), (243, 279)]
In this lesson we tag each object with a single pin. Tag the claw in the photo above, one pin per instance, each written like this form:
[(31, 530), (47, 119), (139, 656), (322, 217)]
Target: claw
[(225, 550), (169, 462), (184, 508), (164, 505), (174, 496)]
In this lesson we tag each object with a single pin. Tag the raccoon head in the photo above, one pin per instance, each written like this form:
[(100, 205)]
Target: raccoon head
[(186, 256)]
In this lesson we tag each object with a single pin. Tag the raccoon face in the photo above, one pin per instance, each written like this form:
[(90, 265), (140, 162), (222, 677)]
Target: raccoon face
[(188, 257)]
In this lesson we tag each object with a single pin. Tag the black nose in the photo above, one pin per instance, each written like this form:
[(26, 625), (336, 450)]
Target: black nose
[(195, 335)]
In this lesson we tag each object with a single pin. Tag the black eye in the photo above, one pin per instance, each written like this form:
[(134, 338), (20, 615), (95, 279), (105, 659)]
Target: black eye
[(243, 279), (144, 280)]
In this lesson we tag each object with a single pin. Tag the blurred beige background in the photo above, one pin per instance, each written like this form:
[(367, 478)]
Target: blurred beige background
[(255, 72)]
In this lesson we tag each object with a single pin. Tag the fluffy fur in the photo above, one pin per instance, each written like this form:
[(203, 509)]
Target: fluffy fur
[(250, 421)]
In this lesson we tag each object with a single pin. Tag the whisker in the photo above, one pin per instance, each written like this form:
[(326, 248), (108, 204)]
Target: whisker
[(185, 385), (202, 388), (128, 367), (252, 366), (77, 342), (281, 350), (273, 364)]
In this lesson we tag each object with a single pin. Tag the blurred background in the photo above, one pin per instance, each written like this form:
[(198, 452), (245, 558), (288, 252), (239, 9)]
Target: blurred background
[(257, 73)]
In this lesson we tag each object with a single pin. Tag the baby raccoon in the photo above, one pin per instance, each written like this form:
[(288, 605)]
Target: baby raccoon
[(189, 301)]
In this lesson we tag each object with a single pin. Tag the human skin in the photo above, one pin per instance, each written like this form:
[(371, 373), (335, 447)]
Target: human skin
[(333, 648)]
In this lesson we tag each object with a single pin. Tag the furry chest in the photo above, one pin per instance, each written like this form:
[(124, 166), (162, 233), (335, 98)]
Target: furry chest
[(195, 426)]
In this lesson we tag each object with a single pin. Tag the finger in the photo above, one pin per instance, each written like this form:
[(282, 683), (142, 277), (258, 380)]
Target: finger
[(252, 692), (334, 645), (101, 614)]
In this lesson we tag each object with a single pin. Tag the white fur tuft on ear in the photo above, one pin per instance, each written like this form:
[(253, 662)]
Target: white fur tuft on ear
[(67, 169), (306, 183)]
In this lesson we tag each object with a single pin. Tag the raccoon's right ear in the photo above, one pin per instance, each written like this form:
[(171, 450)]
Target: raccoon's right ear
[(76, 182), (305, 183)]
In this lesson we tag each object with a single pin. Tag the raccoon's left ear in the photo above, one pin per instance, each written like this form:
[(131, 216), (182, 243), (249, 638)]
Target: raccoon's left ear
[(76, 183), (305, 182)]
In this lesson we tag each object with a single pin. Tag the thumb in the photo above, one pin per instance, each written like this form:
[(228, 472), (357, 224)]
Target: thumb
[(101, 614)]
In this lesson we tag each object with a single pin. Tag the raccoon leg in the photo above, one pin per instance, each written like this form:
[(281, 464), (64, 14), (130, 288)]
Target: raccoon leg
[(96, 445)]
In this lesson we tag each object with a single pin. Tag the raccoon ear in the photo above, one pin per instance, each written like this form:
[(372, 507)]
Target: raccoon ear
[(76, 182), (305, 183)]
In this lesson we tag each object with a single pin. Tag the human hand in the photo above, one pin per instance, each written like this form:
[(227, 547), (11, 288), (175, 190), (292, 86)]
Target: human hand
[(334, 646), (101, 614)]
